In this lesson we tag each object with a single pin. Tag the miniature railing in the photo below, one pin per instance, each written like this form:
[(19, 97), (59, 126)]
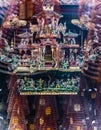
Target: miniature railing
[(31, 86)]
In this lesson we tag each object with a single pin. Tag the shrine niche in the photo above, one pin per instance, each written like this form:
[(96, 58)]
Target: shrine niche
[(50, 68), (48, 53)]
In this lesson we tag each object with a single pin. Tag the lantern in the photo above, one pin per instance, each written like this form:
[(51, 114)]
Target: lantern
[(71, 120), (77, 107), (78, 128), (31, 127), (17, 129), (48, 111), (42, 102), (15, 120), (41, 121)]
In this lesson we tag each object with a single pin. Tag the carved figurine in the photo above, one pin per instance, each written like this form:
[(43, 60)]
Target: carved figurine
[(3, 43)]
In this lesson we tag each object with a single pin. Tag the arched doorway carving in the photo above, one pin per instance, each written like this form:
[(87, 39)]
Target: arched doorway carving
[(48, 53)]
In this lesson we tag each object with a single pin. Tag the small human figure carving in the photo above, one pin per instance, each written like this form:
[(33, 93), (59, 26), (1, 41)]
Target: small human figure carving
[(3, 43)]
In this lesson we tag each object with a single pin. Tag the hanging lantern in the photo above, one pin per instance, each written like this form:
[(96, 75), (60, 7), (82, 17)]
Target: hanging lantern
[(42, 102), (17, 129), (77, 107), (48, 111), (31, 127), (41, 121), (15, 120), (71, 120), (78, 128)]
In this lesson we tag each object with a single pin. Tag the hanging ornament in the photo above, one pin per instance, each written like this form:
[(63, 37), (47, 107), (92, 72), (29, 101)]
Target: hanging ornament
[(41, 121), (15, 120), (77, 107), (31, 126), (42, 102), (48, 111), (71, 120), (17, 129), (78, 128)]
